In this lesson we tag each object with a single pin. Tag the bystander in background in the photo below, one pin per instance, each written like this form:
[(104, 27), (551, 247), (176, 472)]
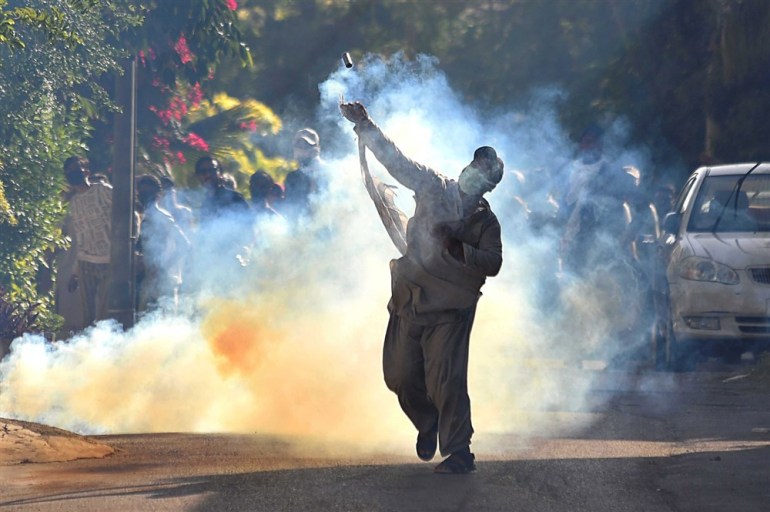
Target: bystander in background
[(162, 248), (89, 221), (309, 178), (219, 197)]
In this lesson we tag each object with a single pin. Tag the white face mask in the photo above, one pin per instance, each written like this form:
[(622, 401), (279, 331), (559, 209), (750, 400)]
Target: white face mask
[(473, 182)]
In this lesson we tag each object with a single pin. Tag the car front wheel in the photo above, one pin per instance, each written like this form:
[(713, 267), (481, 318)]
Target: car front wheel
[(672, 354)]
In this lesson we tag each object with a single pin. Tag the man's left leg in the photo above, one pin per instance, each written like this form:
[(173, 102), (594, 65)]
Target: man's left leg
[(446, 376), (102, 275)]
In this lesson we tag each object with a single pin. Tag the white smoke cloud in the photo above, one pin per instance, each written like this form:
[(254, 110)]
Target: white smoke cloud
[(527, 325), (287, 337)]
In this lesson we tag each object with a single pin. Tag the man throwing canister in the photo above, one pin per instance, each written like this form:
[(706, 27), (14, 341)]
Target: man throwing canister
[(452, 245)]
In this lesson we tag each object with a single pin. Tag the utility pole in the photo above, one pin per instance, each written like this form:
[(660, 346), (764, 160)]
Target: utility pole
[(121, 303)]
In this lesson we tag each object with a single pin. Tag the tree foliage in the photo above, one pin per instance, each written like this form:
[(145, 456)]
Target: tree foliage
[(52, 21), (688, 76), (696, 78), (16, 317), (178, 47), (48, 75), (223, 126), (58, 63)]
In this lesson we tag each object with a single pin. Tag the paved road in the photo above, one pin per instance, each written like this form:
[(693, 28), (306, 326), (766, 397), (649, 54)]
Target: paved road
[(653, 442)]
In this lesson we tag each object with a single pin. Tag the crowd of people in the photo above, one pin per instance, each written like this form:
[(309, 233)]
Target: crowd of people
[(605, 218), (449, 247), (165, 227)]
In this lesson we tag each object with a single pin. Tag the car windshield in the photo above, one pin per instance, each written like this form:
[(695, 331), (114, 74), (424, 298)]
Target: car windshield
[(720, 207)]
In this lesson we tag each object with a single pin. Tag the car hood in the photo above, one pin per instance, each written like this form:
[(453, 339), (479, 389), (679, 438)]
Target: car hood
[(738, 250)]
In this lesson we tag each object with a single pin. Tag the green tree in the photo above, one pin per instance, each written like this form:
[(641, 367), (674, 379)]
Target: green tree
[(225, 127), (689, 76), (494, 53), (51, 20), (58, 62), (48, 72), (693, 81), (178, 47)]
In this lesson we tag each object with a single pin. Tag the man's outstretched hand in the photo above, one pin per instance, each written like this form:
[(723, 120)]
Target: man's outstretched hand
[(354, 112)]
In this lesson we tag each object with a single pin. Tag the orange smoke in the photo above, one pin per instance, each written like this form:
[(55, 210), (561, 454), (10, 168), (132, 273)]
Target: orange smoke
[(239, 336), (304, 373)]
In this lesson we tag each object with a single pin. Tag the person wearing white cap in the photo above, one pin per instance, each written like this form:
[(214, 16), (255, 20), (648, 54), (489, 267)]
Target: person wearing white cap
[(307, 180)]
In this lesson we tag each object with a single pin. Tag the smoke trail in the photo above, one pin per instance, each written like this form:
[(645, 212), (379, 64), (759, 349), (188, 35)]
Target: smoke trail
[(285, 336), (532, 311)]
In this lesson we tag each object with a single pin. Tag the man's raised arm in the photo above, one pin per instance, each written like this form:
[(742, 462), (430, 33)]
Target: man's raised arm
[(409, 173)]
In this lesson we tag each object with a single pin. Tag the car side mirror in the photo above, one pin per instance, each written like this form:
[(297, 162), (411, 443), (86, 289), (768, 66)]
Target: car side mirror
[(671, 222)]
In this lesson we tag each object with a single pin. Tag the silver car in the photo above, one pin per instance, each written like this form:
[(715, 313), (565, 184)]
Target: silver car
[(713, 288)]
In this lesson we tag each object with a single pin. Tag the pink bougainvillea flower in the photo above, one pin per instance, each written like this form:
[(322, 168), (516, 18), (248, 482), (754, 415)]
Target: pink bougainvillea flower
[(196, 141), (180, 158), (178, 108), (160, 142), (163, 115), (181, 48), (195, 95), (231, 4), (160, 85), (250, 126)]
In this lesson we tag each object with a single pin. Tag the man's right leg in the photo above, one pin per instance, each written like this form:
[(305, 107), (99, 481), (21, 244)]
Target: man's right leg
[(403, 367)]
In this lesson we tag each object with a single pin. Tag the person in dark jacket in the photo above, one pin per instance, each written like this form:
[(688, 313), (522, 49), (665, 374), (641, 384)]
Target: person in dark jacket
[(219, 199), (223, 225), (309, 179), (261, 185), (162, 248), (453, 244)]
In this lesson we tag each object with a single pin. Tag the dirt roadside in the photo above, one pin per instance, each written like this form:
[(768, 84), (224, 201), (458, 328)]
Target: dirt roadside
[(23, 442)]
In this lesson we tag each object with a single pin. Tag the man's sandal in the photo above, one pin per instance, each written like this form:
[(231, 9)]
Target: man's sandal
[(427, 443), (459, 463)]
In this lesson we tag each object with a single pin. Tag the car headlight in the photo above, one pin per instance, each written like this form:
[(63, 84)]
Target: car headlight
[(704, 269)]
